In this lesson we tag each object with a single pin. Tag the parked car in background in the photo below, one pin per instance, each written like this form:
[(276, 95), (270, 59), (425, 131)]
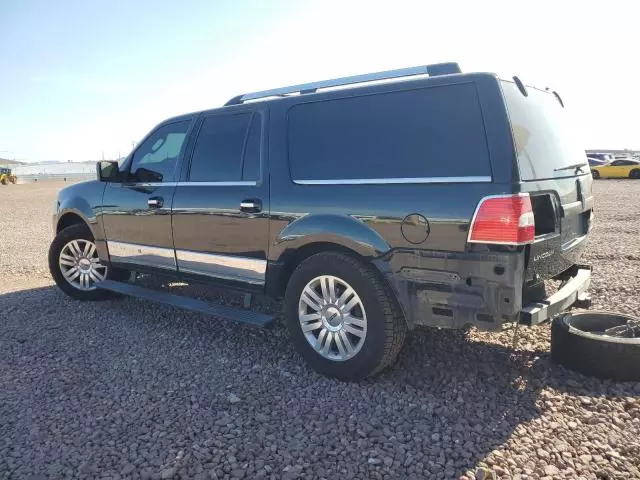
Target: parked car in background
[(605, 157), (595, 161), (617, 169)]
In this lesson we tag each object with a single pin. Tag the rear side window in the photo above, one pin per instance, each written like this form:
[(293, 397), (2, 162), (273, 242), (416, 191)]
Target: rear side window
[(227, 149), (430, 132)]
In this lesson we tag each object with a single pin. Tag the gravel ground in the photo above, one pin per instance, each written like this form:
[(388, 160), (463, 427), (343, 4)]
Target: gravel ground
[(129, 389)]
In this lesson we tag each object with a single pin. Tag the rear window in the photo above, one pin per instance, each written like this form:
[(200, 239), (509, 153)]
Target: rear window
[(424, 133), (544, 139)]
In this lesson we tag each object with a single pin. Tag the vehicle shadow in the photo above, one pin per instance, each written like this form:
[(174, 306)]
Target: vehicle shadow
[(442, 409)]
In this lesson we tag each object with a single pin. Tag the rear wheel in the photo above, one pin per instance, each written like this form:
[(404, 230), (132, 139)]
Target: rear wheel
[(75, 266), (634, 173), (595, 173), (342, 318)]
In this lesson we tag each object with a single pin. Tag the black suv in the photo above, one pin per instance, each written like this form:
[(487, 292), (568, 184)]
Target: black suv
[(372, 204)]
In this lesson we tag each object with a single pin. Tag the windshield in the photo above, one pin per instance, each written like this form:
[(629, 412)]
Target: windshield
[(543, 137)]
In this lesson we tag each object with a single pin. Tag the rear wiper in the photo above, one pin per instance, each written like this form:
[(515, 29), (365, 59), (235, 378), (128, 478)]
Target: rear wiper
[(575, 166)]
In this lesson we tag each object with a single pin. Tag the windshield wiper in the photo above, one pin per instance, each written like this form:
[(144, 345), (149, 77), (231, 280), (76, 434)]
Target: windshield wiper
[(575, 166)]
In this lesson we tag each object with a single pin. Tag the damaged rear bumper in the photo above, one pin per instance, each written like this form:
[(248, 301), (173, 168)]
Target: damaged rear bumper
[(574, 290)]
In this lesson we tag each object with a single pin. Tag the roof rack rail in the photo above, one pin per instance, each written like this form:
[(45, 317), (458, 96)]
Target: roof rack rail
[(431, 70)]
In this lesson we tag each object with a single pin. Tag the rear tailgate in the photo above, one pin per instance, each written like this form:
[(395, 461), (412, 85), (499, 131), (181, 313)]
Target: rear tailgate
[(562, 209), (553, 169)]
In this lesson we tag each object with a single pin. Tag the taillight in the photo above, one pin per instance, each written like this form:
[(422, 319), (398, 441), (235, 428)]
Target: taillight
[(503, 220)]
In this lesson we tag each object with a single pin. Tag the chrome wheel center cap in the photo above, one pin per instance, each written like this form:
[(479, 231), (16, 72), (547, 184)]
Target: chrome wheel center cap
[(84, 264), (332, 318)]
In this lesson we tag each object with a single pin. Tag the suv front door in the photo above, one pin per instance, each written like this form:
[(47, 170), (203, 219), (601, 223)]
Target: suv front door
[(136, 212), (220, 211)]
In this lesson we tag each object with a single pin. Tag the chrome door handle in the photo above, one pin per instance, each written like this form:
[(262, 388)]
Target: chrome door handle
[(155, 202), (251, 205)]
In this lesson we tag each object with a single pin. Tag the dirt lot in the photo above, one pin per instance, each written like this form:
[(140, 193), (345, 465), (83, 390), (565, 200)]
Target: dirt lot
[(126, 388)]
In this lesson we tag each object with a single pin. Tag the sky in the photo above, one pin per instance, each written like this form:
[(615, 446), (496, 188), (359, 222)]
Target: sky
[(81, 80)]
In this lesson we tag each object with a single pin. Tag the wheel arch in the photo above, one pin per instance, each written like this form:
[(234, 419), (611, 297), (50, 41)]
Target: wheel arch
[(74, 216), (70, 218), (315, 233), (291, 258), (278, 275)]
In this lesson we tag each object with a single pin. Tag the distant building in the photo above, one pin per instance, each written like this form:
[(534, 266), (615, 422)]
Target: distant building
[(30, 172), (5, 162)]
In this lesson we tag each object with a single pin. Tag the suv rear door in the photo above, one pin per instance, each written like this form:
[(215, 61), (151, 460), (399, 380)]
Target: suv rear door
[(220, 210), (553, 169)]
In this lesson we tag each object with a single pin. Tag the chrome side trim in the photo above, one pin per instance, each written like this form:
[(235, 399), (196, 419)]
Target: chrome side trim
[(193, 184), (391, 181), (229, 267), (147, 184), (218, 184), (142, 255)]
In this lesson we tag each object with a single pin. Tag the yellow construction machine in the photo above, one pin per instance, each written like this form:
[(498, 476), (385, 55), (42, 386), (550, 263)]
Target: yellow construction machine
[(6, 177)]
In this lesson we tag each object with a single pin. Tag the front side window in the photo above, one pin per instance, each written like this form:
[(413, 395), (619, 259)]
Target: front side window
[(227, 149), (156, 158)]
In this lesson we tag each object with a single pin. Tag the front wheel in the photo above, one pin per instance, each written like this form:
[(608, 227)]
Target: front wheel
[(635, 174), (342, 318), (595, 173), (75, 266)]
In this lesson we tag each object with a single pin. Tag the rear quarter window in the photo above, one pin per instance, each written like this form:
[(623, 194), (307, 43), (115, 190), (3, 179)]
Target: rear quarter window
[(422, 133)]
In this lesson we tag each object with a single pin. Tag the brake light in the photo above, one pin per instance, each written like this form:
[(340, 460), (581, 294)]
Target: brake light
[(503, 220)]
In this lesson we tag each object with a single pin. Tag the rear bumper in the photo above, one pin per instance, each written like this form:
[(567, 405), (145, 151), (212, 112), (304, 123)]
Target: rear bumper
[(574, 290)]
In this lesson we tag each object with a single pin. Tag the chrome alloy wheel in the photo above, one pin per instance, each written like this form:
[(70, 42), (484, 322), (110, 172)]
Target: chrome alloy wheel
[(332, 318), (80, 265)]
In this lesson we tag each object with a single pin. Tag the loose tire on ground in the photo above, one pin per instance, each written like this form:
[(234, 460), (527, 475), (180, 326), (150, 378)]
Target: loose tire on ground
[(578, 343), (78, 232), (385, 325)]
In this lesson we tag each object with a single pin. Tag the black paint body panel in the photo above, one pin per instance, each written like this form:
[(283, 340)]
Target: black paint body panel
[(439, 279)]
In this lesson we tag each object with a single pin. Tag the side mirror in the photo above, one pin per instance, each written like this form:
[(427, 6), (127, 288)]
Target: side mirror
[(107, 171)]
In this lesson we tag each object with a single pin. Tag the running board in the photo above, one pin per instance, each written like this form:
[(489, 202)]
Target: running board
[(221, 311)]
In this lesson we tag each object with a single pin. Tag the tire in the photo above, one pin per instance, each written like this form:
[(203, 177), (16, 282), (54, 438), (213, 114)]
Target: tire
[(635, 174), (595, 174), (82, 234), (386, 328), (578, 343)]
